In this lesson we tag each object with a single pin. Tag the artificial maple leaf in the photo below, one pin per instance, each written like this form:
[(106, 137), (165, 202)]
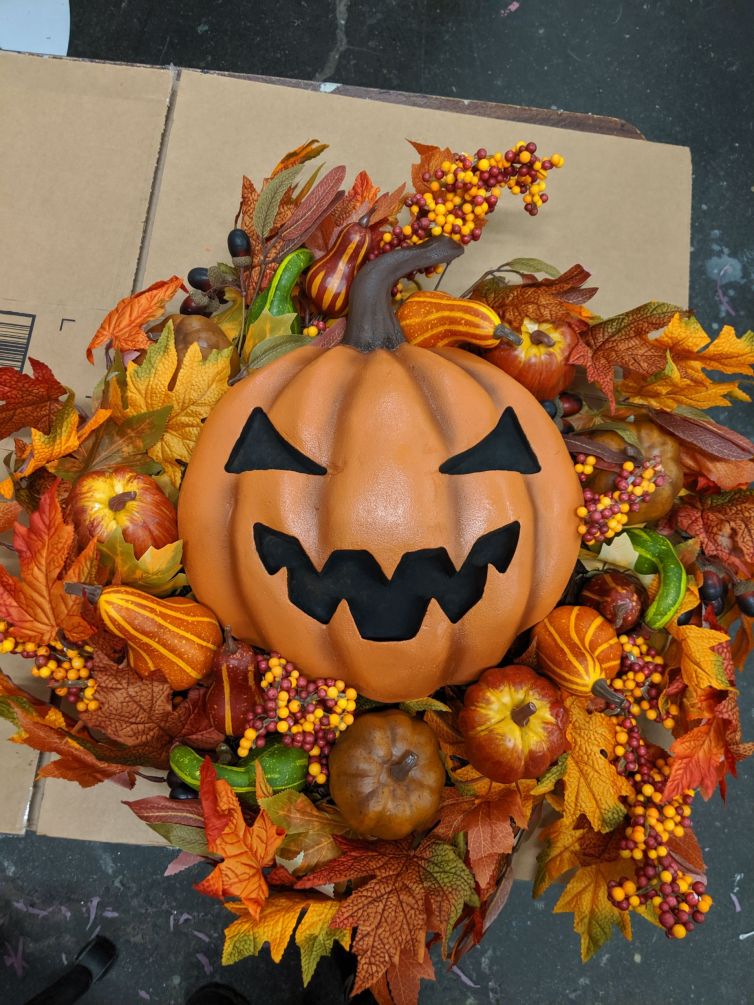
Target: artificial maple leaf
[(742, 642), (485, 817), (413, 890), (723, 523), (245, 850), (402, 980), (275, 924), (594, 916), (9, 513), (122, 326), (116, 445), (430, 159), (67, 433), (267, 326), (723, 473), (28, 401), (445, 728), (138, 711), (156, 571), (592, 785), (696, 652), (560, 853), (309, 830), (682, 380), (35, 603), (199, 385)]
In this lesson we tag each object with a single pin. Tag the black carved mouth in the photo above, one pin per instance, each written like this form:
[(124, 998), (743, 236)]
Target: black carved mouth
[(386, 610)]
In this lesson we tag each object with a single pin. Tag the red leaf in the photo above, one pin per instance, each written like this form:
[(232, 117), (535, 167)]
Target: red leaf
[(698, 760), (724, 525), (308, 213), (162, 810), (28, 401)]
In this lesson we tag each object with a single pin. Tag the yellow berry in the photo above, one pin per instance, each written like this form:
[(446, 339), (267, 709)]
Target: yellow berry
[(618, 893), (282, 727), (321, 778), (678, 932), (314, 768)]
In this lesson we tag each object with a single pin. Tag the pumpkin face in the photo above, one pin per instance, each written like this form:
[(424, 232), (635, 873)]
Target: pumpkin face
[(399, 514), (386, 775)]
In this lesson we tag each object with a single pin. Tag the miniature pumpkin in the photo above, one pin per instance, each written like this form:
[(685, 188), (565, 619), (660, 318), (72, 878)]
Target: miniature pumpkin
[(513, 723), (654, 442), (399, 513), (233, 693), (386, 775), (175, 635), (579, 650)]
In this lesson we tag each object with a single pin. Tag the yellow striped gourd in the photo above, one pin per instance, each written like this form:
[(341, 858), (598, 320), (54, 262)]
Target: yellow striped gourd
[(433, 319), (175, 635), (578, 649)]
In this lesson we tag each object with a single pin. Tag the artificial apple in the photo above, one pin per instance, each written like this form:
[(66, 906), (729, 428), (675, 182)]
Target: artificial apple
[(513, 723), (103, 500), (540, 363)]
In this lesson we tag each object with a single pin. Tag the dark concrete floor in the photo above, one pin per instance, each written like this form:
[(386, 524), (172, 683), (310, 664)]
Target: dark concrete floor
[(680, 70)]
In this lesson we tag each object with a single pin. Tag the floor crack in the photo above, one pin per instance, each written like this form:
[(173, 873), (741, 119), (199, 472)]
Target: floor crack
[(341, 41)]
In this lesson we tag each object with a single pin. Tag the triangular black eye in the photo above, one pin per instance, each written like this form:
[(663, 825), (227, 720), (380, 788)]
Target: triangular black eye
[(260, 447), (506, 448)]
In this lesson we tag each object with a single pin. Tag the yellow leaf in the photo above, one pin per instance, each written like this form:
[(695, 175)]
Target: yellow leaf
[(594, 917), (266, 326), (230, 318), (559, 854), (199, 385), (315, 938), (157, 571), (64, 437), (693, 649), (592, 784)]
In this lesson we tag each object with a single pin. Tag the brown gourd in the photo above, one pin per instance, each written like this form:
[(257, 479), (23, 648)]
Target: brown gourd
[(399, 513), (386, 775)]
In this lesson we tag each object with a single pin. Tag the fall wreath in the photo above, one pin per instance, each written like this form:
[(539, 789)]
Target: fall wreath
[(283, 553)]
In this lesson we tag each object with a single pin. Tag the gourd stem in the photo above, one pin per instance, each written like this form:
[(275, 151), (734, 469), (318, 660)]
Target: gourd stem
[(229, 642), (523, 713), (506, 334), (372, 323), (119, 501), (602, 689), (400, 770), (538, 337)]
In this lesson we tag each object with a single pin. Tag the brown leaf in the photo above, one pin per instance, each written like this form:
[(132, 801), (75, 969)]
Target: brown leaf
[(706, 435), (28, 401), (724, 525), (308, 213)]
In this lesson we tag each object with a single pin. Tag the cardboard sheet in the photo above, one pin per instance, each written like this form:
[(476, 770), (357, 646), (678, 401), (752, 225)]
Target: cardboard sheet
[(120, 174)]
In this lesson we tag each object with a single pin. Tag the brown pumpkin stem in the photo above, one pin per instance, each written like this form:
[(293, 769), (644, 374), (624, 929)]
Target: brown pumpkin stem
[(372, 323), (506, 334), (118, 502), (538, 337), (523, 713), (602, 689), (400, 770), (229, 642), (90, 591)]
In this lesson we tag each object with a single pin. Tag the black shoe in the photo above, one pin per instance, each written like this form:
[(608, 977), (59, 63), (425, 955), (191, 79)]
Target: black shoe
[(216, 994)]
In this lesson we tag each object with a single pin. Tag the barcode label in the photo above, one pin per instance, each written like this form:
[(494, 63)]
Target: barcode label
[(15, 337)]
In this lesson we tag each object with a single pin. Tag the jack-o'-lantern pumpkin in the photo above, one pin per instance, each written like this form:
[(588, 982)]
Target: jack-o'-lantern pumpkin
[(394, 512)]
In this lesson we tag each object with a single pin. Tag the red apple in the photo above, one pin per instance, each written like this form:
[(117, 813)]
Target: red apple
[(540, 362), (103, 500), (513, 722)]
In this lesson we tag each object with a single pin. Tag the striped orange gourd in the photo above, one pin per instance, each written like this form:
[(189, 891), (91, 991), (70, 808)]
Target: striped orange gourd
[(578, 649), (176, 635), (433, 319), (328, 281)]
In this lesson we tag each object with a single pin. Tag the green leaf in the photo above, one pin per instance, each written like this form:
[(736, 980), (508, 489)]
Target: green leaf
[(546, 782), (532, 265), (275, 347), (270, 198), (157, 571), (190, 839), (113, 446), (424, 705), (268, 326)]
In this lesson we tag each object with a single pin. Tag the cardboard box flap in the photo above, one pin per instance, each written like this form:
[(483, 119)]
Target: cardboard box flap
[(81, 142)]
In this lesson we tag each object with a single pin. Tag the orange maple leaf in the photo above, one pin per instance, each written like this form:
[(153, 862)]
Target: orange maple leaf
[(246, 851), (411, 891), (592, 785), (122, 326), (36, 603), (430, 159)]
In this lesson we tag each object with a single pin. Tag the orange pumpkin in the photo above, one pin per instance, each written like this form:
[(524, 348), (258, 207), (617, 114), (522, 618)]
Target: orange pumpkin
[(396, 513), (579, 650), (386, 775)]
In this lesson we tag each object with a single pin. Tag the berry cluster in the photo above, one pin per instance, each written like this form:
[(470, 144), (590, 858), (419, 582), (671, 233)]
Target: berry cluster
[(604, 515), (67, 669), (309, 714), (314, 328), (462, 192), (681, 901)]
